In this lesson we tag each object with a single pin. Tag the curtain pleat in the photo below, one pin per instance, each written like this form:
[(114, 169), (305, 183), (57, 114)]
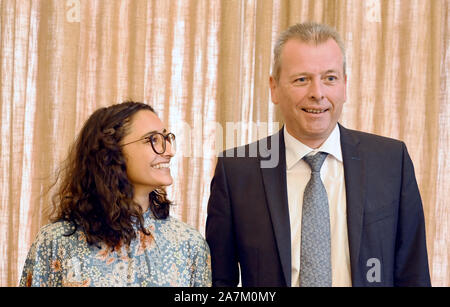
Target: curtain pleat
[(204, 66)]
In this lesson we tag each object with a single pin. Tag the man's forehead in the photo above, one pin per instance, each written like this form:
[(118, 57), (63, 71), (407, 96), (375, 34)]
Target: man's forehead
[(295, 43), (322, 57)]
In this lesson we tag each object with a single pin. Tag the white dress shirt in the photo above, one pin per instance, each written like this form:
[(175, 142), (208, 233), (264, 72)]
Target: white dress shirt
[(298, 174)]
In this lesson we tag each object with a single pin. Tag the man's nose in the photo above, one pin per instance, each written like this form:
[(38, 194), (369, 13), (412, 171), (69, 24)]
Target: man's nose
[(316, 90)]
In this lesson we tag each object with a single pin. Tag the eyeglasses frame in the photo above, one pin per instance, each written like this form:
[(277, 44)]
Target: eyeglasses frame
[(165, 137)]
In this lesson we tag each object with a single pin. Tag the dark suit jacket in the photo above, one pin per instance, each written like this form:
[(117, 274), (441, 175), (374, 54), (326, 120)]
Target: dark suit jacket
[(248, 218)]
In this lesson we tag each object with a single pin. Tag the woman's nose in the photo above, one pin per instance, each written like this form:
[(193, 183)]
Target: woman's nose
[(170, 149)]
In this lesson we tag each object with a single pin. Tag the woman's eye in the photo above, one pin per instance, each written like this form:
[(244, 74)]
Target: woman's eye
[(154, 139), (150, 139)]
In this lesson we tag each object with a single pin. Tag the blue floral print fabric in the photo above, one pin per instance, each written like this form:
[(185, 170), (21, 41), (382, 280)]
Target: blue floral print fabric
[(175, 254)]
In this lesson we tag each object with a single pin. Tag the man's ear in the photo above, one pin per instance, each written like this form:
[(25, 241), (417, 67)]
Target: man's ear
[(273, 89)]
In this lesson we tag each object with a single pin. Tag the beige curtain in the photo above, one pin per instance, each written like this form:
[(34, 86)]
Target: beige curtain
[(204, 66)]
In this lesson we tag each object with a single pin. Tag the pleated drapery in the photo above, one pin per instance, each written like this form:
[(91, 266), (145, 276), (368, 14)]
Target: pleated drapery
[(204, 66)]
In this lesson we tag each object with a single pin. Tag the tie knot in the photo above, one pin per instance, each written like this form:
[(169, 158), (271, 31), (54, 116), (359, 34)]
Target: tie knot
[(316, 161)]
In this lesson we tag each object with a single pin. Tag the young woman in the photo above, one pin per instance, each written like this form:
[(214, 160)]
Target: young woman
[(112, 225)]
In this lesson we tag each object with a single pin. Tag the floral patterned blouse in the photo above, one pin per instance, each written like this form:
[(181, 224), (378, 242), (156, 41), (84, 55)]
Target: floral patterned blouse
[(175, 254)]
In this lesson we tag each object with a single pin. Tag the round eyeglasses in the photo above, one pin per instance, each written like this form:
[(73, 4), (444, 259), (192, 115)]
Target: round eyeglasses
[(158, 141)]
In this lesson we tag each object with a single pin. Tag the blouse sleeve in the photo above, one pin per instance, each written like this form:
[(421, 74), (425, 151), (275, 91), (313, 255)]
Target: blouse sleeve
[(202, 266), (42, 267)]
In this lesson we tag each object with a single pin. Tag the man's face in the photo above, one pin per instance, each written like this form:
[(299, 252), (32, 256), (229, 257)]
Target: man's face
[(311, 89)]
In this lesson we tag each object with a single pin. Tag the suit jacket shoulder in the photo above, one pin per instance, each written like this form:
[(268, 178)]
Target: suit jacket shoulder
[(369, 141)]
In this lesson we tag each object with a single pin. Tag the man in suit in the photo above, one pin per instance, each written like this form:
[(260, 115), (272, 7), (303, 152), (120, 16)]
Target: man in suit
[(374, 229)]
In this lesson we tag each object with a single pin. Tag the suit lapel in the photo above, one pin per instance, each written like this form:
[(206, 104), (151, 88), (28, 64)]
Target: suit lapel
[(275, 186), (354, 173)]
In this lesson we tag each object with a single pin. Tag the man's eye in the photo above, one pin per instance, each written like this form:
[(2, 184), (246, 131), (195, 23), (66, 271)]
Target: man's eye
[(301, 79), (331, 78)]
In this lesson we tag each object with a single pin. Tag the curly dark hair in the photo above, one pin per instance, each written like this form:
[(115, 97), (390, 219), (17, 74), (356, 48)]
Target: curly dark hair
[(94, 191)]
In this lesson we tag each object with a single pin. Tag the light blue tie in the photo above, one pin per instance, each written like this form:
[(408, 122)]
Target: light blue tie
[(315, 256)]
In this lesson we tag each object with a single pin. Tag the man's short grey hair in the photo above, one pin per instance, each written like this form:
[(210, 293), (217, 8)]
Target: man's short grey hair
[(308, 32)]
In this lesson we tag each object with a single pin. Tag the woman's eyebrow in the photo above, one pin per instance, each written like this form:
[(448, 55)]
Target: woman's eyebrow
[(154, 131)]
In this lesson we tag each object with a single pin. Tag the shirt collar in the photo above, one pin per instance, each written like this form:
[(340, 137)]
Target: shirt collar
[(296, 150)]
